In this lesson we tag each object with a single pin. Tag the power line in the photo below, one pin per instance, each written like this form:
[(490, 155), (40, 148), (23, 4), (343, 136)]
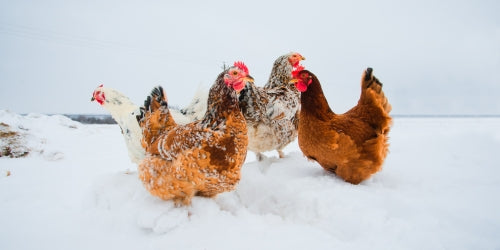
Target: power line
[(67, 39)]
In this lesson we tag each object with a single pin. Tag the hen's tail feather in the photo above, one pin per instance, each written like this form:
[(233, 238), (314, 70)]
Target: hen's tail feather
[(368, 73), (371, 82), (155, 117), (369, 79), (157, 99), (147, 103), (143, 109)]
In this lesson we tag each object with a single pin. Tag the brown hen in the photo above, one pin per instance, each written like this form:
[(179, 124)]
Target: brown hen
[(352, 145)]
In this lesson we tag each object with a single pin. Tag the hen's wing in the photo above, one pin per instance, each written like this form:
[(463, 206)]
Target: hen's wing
[(283, 103), (194, 111), (254, 103), (198, 105)]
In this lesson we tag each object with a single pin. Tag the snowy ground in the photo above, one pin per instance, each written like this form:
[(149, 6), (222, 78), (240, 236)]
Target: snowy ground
[(439, 189)]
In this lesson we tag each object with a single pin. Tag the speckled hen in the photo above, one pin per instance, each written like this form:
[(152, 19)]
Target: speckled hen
[(272, 111), (200, 158)]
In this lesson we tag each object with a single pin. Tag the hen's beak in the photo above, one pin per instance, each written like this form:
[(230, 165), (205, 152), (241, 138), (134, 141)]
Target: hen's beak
[(293, 81), (92, 99), (246, 80), (241, 84), (249, 79), (302, 58)]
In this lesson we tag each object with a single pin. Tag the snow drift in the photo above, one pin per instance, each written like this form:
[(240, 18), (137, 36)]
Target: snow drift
[(77, 189)]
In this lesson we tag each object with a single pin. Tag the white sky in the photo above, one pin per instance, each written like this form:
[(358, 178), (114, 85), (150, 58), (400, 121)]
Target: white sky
[(434, 57)]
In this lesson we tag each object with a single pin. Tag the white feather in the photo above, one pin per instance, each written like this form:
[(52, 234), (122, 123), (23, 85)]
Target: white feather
[(195, 110), (125, 113)]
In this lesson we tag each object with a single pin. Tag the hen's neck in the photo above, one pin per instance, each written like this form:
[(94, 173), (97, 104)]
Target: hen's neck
[(280, 74), (222, 101), (118, 104), (313, 101)]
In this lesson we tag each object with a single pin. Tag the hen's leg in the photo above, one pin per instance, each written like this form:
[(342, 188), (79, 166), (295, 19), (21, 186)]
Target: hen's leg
[(280, 153), (260, 156)]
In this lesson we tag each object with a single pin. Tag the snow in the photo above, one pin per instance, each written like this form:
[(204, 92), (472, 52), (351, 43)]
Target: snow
[(78, 189)]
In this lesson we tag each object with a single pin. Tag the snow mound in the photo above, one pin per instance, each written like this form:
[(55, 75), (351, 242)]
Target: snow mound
[(23, 135), (12, 143)]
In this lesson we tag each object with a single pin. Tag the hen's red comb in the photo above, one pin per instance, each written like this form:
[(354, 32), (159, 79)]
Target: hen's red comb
[(297, 69), (241, 66)]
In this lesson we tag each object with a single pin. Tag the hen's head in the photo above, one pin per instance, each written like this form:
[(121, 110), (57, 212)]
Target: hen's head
[(302, 79), (99, 95), (237, 76), (282, 69), (294, 58)]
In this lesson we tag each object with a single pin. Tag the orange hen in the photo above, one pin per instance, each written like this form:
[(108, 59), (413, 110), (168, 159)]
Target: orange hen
[(352, 145), (200, 158)]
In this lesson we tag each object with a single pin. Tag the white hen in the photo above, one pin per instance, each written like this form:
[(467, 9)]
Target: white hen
[(125, 113)]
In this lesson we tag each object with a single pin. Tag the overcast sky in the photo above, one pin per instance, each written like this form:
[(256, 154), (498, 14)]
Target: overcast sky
[(434, 57)]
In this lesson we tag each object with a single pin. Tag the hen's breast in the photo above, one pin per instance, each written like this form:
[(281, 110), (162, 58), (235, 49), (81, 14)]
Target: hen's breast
[(278, 121)]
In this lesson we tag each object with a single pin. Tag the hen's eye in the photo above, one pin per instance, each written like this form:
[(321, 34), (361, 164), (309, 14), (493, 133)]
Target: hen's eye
[(234, 73)]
